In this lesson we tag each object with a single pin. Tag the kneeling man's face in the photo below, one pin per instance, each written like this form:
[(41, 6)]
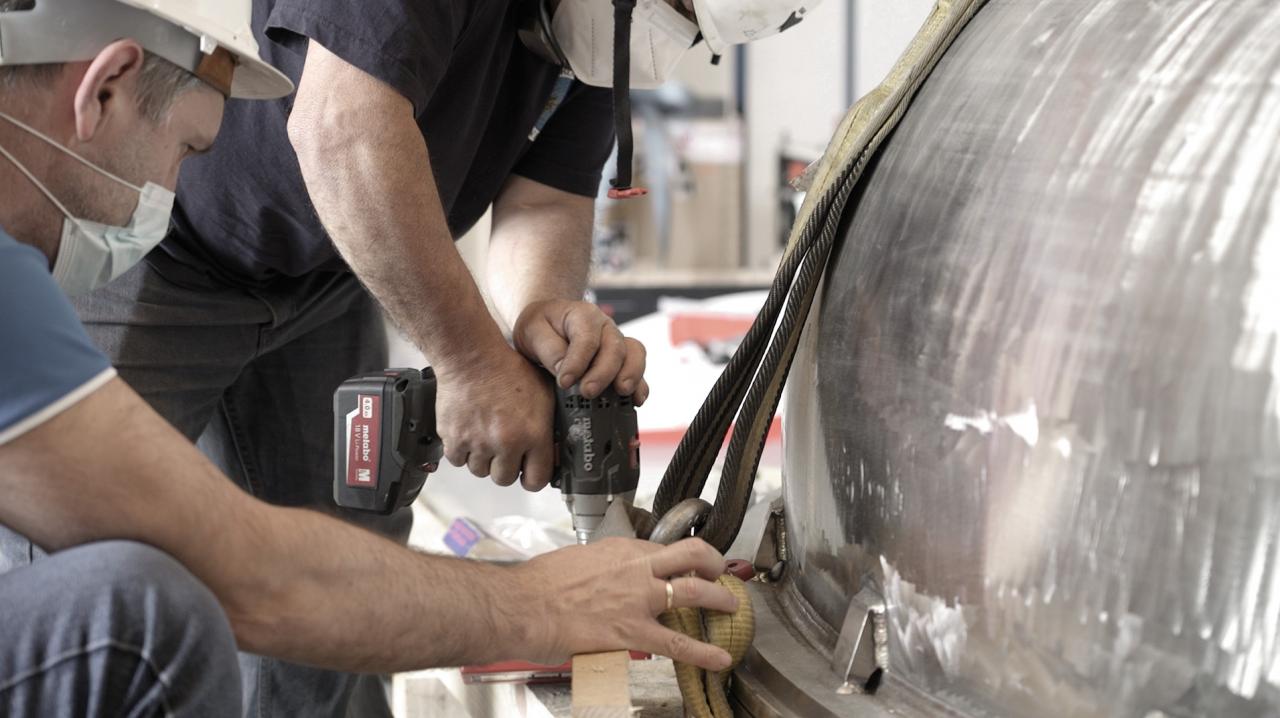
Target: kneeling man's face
[(139, 149)]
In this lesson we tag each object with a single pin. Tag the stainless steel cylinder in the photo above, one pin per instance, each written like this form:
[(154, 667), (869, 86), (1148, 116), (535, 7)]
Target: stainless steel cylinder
[(1038, 410)]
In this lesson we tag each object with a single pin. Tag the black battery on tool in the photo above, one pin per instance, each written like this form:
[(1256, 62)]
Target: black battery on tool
[(597, 454), (372, 472)]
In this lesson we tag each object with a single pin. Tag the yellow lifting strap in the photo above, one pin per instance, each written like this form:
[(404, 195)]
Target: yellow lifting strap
[(752, 394), (866, 125), (705, 693), (860, 134)]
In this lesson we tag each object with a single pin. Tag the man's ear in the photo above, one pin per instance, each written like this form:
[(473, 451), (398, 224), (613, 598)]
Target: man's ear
[(103, 86)]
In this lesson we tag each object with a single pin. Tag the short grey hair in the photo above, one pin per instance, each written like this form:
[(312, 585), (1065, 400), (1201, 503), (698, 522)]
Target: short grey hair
[(160, 82)]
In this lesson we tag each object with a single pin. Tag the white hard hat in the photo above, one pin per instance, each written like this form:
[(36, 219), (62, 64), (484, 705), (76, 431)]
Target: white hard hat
[(210, 38), (733, 22)]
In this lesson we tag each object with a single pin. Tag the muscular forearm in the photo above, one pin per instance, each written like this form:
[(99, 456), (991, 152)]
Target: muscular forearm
[(369, 176), (540, 248), (344, 598), (296, 584), (304, 587)]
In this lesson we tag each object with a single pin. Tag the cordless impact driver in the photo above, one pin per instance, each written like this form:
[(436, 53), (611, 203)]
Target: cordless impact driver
[(386, 443)]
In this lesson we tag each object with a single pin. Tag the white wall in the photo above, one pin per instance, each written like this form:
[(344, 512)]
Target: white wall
[(882, 31), (798, 90), (703, 79)]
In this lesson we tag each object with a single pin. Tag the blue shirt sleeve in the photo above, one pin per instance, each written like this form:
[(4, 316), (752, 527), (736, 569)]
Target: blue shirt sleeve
[(47, 362)]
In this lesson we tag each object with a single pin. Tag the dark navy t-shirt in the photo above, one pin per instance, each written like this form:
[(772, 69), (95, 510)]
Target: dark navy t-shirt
[(477, 94)]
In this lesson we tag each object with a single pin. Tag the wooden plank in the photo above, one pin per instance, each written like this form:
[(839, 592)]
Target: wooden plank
[(654, 693), (602, 685)]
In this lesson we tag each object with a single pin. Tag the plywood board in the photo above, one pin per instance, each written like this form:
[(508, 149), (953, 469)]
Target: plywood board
[(602, 685)]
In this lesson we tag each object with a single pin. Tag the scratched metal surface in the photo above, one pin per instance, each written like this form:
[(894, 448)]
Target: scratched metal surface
[(1041, 410)]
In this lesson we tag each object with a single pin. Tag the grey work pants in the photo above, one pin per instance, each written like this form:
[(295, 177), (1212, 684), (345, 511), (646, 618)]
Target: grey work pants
[(109, 630), (249, 374)]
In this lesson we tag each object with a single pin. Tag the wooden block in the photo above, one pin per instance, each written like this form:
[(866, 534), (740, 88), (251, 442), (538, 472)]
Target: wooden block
[(602, 685)]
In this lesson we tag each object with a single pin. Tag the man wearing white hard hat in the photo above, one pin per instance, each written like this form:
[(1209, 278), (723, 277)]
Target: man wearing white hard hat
[(99, 103), (131, 569)]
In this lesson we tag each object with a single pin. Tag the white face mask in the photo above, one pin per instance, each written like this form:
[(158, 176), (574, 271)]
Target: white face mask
[(660, 36), (92, 254)]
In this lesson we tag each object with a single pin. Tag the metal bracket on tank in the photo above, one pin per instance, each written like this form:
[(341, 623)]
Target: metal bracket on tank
[(862, 652), (771, 552)]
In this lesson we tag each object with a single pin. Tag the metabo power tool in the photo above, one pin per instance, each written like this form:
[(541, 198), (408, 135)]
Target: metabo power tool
[(386, 444)]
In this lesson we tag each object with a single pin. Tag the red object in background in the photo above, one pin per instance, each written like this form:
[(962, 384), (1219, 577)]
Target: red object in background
[(517, 672), (525, 672), (740, 568), (702, 328), (795, 169), (628, 193)]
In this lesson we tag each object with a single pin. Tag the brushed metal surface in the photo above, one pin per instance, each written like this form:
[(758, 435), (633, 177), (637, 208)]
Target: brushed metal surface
[(1038, 408), (783, 676)]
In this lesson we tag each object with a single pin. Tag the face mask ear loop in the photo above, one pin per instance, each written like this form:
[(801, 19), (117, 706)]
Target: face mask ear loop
[(622, 11), (36, 183), (66, 151)]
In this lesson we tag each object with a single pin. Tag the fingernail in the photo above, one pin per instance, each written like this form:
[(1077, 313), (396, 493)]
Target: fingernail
[(556, 369), (567, 380), (628, 386), (590, 387)]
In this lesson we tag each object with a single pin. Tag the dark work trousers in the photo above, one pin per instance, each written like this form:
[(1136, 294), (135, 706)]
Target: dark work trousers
[(108, 630), (249, 374)]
